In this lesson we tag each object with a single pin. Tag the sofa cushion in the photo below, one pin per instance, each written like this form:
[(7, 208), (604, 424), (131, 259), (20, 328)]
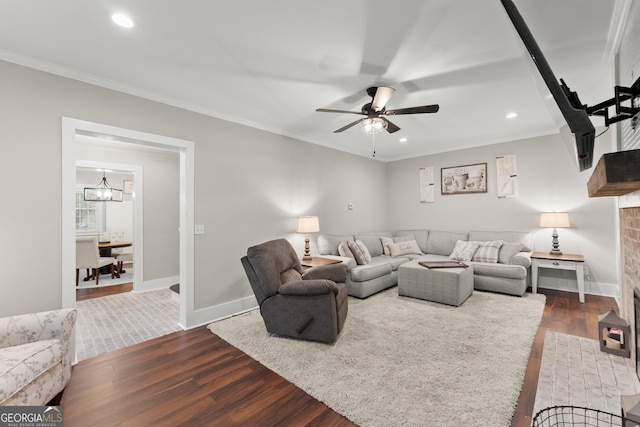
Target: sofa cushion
[(508, 251), (420, 236), (463, 250), (487, 251), (508, 236), (394, 261), (343, 250), (372, 242), (404, 248), (362, 273), (443, 242), (21, 364), (328, 243), (360, 257), (507, 271)]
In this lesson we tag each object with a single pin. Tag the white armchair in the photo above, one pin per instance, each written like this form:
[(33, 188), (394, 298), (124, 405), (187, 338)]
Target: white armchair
[(36, 354)]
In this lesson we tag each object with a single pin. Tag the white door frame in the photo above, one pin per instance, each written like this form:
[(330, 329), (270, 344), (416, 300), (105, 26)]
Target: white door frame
[(71, 127), (138, 193)]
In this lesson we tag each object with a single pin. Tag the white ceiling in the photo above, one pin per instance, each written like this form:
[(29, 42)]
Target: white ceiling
[(270, 64)]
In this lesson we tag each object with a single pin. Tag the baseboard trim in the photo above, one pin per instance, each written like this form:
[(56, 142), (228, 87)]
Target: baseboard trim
[(591, 288), (152, 285), (222, 311)]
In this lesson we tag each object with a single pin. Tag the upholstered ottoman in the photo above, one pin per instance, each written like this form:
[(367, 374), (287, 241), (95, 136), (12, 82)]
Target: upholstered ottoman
[(444, 285)]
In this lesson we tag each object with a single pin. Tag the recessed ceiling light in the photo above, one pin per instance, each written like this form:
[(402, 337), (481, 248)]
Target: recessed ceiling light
[(511, 115), (403, 139), (122, 20)]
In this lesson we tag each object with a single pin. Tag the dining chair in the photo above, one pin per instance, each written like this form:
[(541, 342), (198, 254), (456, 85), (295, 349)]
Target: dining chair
[(88, 256), (121, 259), (118, 253)]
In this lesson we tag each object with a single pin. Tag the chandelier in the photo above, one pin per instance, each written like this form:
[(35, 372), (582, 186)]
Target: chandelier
[(102, 192), (373, 125)]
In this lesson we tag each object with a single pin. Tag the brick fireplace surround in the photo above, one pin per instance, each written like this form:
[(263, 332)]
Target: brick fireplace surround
[(630, 242)]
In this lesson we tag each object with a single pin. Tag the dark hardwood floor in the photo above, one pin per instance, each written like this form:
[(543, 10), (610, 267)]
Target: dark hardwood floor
[(83, 294), (103, 291), (194, 378)]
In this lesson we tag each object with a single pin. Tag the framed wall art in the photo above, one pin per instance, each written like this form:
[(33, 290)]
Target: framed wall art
[(426, 185), (464, 179)]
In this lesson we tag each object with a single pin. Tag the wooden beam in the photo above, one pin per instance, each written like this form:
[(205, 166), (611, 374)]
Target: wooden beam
[(615, 174)]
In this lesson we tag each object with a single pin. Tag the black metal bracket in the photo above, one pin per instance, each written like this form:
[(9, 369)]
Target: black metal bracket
[(621, 94)]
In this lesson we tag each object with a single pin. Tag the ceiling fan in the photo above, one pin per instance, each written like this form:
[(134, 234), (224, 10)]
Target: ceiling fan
[(374, 110)]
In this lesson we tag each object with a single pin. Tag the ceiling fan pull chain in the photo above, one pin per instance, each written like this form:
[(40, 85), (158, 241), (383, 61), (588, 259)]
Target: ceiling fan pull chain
[(373, 143)]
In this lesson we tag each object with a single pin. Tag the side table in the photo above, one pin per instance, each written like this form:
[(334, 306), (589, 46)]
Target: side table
[(559, 262), (318, 261)]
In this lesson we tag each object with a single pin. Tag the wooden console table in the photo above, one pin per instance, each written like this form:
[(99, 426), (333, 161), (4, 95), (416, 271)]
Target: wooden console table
[(558, 262)]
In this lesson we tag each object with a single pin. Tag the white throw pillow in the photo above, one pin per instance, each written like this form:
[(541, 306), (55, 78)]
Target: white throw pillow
[(463, 251), (404, 248), (343, 249), (385, 242), (487, 251)]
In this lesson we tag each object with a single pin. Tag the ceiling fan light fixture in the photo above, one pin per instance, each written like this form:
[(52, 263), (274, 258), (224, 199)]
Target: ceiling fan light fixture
[(373, 125)]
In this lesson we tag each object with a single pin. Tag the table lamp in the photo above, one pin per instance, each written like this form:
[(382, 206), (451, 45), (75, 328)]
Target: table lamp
[(306, 225), (555, 220)]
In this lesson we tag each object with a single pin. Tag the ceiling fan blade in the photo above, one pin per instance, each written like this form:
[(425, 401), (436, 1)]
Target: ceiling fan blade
[(391, 128), (414, 110), (383, 95), (348, 126), (329, 110)]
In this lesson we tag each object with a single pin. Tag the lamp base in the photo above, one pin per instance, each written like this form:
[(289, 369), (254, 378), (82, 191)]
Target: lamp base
[(307, 252), (555, 244)]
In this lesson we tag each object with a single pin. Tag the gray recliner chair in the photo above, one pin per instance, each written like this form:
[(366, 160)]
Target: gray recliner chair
[(310, 305)]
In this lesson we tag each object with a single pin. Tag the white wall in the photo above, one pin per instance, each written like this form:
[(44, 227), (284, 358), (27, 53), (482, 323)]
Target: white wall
[(249, 185), (548, 180)]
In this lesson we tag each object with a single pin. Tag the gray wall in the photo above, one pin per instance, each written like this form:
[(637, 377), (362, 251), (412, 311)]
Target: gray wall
[(249, 185), (548, 180)]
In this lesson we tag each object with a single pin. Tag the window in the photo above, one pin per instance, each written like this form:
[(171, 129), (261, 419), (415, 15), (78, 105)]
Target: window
[(89, 215)]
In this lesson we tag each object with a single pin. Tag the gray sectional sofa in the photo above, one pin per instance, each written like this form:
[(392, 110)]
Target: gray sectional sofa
[(509, 275)]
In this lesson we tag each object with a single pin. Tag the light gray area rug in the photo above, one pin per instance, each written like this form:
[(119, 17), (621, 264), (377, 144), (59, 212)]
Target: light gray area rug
[(574, 371), (116, 321), (405, 362)]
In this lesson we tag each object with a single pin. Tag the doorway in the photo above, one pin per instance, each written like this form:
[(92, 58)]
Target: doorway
[(125, 216), (73, 127)]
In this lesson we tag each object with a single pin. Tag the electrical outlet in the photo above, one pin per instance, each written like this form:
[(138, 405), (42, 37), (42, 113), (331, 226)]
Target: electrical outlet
[(199, 229), (350, 206)]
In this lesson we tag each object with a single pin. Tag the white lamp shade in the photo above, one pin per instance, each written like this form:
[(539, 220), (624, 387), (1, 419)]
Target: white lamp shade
[(308, 224), (554, 220)]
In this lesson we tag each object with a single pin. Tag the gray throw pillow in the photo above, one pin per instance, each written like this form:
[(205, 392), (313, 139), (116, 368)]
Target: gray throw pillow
[(487, 251), (364, 250), (508, 251), (357, 253)]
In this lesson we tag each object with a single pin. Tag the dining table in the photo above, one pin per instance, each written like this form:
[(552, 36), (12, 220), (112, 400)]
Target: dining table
[(105, 251)]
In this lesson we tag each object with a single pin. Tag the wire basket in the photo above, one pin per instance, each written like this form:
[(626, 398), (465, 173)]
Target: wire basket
[(570, 416)]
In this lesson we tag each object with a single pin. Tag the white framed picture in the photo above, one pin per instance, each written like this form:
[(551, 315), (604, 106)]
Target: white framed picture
[(127, 186)]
